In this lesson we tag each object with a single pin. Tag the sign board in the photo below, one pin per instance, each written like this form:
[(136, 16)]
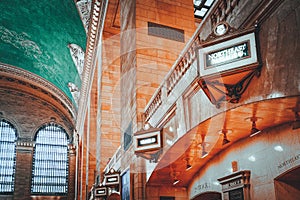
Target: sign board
[(112, 179), (236, 186), (100, 192), (149, 140), (228, 55)]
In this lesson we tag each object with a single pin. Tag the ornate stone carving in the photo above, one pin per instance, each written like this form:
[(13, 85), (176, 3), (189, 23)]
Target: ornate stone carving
[(96, 26), (74, 91), (84, 8), (77, 55), (25, 145), (222, 10)]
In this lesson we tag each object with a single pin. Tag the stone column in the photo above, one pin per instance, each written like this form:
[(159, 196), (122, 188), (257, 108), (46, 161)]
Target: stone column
[(72, 171), (139, 179), (24, 156)]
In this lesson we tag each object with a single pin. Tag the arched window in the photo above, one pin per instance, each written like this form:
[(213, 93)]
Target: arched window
[(8, 137), (50, 161)]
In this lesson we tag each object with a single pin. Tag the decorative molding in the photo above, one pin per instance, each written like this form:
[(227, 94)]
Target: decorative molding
[(84, 9), (213, 36), (31, 80), (155, 103), (222, 10), (25, 145), (77, 55), (74, 91), (72, 149), (94, 35)]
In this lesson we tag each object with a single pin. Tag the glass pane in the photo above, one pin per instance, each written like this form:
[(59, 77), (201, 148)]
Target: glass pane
[(197, 2), (50, 166), (201, 7), (201, 12), (7, 157), (208, 2)]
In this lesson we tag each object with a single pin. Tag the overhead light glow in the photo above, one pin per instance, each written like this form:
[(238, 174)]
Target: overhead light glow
[(252, 158), (216, 183), (278, 148)]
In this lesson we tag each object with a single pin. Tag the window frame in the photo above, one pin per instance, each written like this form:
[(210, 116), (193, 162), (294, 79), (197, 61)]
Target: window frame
[(50, 149), (15, 132)]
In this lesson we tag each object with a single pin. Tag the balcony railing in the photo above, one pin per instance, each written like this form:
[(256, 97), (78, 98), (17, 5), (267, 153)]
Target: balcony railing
[(177, 71)]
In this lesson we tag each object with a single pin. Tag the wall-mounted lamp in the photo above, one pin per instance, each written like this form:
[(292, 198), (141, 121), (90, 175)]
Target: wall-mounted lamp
[(225, 140), (175, 181), (254, 130), (204, 154), (174, 175), (188, 164)]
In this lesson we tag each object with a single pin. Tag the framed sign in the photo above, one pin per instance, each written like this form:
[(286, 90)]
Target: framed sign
[(228, 55), (101, 192), (112, 179), (148, 140)]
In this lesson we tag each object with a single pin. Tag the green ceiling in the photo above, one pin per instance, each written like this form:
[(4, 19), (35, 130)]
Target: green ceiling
[(34, 36)]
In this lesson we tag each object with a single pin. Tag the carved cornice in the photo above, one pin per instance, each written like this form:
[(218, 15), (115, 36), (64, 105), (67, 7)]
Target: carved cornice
[(222, 10), (84, 8), (25, 145), (94, 35), (77, 55), (32, 81)]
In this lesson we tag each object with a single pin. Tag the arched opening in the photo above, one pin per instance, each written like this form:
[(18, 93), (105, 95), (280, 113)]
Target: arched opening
[(287, 185), (50, 161), (8, 137), (209, 196), (114, 196)]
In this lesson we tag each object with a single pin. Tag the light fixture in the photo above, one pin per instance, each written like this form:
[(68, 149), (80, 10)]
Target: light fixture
[(204, 154), (278, 148), (225, 140), (175, 181), (252, 158), (174, 175), (188, 164), (146, 126), (254, 130)]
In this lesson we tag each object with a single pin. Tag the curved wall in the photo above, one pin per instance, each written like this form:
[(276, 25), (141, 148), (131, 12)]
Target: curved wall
[(267, 156)]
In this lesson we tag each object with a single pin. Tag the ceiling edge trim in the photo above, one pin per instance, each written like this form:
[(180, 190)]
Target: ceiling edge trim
[(56, 93), (98, 14)]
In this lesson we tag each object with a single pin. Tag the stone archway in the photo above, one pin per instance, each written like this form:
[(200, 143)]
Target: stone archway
[(209, 196), (287, 185), (114, 196)]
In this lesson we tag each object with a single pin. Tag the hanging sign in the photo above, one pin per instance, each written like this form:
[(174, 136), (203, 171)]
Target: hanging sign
[(228, 55), (101, 192), (147, 140), (112, 179)]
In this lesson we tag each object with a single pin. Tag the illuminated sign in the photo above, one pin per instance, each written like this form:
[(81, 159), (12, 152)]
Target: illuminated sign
[(228, 55), (100, 192), (112, 179), (147, 140)]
